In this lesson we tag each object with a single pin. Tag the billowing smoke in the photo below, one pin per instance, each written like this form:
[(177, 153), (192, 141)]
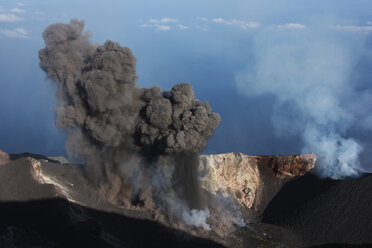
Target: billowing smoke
[(130, 137), (309, 71)]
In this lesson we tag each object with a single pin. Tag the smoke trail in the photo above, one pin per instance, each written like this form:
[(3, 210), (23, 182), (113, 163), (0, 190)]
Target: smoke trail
[(308, 71), (142, 134)]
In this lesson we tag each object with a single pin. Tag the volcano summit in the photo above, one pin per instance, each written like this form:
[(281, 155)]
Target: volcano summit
[(143, 182), (51, 204)]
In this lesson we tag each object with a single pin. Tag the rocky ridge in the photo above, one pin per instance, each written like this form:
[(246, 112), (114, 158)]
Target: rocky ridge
[(249, 181)]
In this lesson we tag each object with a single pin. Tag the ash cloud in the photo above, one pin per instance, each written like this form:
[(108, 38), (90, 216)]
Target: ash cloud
[(121, 130), (310, 73)]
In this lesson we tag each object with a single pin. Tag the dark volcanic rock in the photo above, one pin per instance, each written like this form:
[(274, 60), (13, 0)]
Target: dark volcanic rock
[(18, 182), (48, 204), (17, 237), (55, 223), (293, 197), (325, 211), (45, 204), (339, 245), (16, 156), (36, 213)]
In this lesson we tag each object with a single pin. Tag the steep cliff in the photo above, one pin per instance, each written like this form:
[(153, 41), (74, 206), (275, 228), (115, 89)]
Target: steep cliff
[(252, 181)]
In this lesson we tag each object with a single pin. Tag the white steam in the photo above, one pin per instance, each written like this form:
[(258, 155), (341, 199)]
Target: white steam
[(153, 184), (197, 217), (339, 155), (308, 72)]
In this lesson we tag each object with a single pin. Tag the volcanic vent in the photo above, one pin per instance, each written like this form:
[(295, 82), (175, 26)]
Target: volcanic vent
[(141, 145), (131, 138), (63, 205)]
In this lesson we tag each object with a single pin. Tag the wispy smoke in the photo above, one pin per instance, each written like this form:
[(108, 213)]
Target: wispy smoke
[(148, 137), (308, 71), (197, 217)]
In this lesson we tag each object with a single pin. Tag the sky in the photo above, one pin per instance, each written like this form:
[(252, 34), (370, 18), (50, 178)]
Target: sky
[(286, 76)]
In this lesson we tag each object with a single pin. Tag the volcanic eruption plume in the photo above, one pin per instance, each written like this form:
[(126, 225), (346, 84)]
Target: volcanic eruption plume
[(136, 142)]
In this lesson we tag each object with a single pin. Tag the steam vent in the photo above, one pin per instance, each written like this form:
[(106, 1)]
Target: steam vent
[(45, 202)]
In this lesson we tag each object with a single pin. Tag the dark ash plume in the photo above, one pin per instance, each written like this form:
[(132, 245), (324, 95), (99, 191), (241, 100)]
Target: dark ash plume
[(110, 120)]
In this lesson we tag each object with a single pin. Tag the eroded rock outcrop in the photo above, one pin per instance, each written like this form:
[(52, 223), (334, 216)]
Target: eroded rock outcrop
[(251, 180), (4, 158), (290, 166), (240, 187)]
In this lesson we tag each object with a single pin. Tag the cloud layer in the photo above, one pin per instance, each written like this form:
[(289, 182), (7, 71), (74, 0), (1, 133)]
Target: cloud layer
[(164, 24), (14, 33), (9, 18)]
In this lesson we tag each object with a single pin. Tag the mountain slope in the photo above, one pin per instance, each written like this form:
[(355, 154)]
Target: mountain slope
[(325, 211)]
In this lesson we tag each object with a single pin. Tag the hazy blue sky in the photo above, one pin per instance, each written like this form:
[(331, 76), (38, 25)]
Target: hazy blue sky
[(254, 61)]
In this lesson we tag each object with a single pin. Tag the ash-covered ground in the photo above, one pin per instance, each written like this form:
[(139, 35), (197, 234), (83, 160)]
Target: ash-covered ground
[(48, 204)]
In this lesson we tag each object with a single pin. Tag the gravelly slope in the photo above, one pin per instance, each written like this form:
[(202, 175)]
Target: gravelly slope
[(325, 211)]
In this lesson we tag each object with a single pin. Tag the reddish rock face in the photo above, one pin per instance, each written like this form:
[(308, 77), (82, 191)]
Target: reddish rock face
[(240, 186), (4, 158), (291, 166), (251, 180)]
